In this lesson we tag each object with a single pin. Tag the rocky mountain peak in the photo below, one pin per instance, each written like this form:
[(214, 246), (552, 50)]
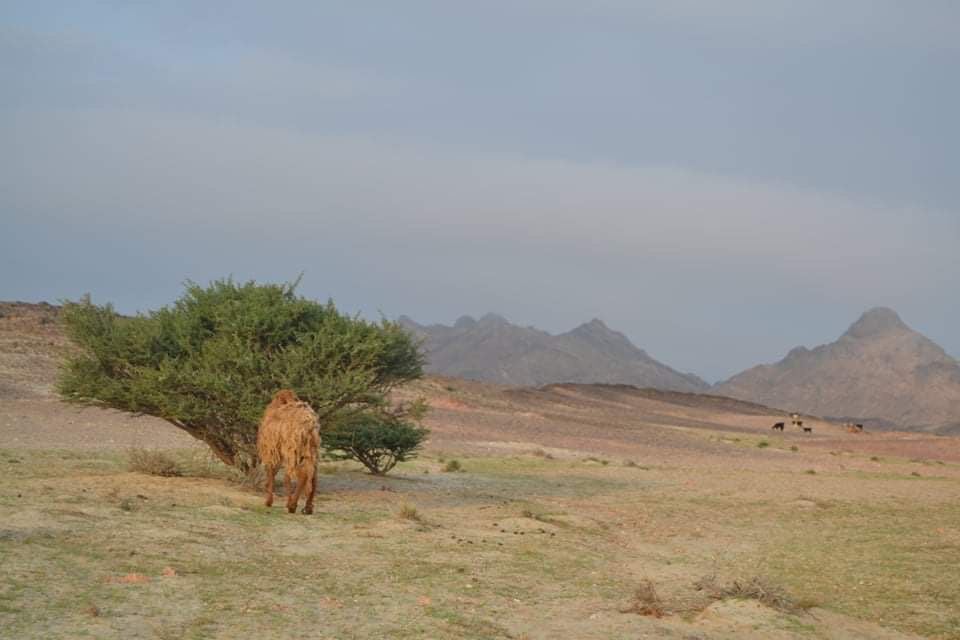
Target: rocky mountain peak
[(465, 322), (879, 369), (492, 320), (594, 327), (876, 321)]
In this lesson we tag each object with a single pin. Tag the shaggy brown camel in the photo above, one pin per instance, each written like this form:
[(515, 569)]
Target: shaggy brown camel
[(289, 436)]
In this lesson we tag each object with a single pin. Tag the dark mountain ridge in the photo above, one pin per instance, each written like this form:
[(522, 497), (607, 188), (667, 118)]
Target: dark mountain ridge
[(494, 350)]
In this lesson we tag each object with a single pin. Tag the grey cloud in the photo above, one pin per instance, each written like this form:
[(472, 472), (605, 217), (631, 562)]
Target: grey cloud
[(233, 171), (720, 184), (781, 22)]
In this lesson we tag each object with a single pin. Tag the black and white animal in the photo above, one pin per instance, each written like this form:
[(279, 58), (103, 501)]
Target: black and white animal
[(779, 426)]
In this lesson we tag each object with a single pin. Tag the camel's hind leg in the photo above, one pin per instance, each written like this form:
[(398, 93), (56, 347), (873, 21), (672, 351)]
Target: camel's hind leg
[(309, 478), (271, 471), (293, 497), (287, 485)]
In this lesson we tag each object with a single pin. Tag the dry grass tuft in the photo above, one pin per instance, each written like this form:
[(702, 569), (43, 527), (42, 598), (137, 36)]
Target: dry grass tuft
[(756, 588), (646, 601), (153, 462), (409, 512), (453, 466)]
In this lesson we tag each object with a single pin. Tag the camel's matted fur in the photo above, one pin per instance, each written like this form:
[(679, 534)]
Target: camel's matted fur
[(289, 436)]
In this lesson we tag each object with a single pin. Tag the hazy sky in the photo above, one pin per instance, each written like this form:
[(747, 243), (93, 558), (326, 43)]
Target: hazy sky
[(721, 181)]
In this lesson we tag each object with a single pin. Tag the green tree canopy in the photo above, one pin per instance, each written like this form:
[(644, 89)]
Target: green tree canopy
[(211, 362)]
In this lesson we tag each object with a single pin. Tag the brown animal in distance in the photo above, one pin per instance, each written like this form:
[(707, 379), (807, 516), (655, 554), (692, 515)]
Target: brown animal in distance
[(289, 436)]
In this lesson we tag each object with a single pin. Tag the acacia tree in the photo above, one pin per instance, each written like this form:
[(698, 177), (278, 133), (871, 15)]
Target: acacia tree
[(210, 362)]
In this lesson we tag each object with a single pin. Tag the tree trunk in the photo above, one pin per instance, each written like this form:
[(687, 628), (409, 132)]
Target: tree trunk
[(227, 457)]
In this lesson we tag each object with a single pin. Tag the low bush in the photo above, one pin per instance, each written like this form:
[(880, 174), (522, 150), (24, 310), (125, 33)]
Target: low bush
[(756, 588), (377, 442)]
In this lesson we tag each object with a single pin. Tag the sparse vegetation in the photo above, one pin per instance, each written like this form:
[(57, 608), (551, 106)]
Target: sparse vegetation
[(153, 462), (886, 568), (646, 601), (763, 444), (757, 588), (453, 466)]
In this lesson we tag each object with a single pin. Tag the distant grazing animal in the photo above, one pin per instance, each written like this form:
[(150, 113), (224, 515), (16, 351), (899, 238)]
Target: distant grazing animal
[(799, 423), (854, 428), (289, 436), (795, 420), (808, 429), (778, 425)]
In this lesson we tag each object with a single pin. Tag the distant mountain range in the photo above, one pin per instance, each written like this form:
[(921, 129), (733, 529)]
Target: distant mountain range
[(879, 372), (494, 350)]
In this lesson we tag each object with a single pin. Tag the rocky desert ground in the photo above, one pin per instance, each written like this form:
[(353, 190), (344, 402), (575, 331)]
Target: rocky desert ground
[(579, 511)]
